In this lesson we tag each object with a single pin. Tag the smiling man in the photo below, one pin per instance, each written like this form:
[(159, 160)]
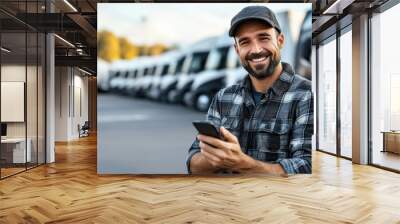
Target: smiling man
[(267, 120)]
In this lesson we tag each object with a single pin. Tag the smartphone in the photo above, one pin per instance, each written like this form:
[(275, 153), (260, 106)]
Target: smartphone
[(207, 128)]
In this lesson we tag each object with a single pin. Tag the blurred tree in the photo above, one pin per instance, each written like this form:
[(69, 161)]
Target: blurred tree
[(108, 46), (157, 49), (144, 50), (127, 49)]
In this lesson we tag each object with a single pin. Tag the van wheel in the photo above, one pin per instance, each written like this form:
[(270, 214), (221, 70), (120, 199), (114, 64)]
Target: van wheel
[(203, 102)]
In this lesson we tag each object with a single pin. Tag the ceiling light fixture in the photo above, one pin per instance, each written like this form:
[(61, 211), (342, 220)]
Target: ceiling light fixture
[(5, 50), (64, 40), (84, 71), (79, 51), (70, 5), (337, 7)]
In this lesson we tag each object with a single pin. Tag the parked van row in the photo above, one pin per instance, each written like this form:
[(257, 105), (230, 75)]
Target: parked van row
[(191, 76)]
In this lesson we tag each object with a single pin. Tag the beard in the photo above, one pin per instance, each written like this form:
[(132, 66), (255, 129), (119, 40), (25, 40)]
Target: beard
[(261, 72)]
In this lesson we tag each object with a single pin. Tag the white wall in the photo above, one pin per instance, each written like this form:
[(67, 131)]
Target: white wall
[(71, 93), (82, 83), (14, 73), (34, 124), (62, 80)]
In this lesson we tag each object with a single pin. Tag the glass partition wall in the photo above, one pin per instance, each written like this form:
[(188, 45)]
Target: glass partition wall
[(13, 110), (334, 94), (326, 60), (385, 90), (346, 93), (22, 77)]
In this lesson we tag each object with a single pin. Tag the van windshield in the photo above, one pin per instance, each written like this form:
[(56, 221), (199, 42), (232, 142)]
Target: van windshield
[(222, 63), (135, 73), (179, 65), (146, 71), (165, 70), (198, 62), (217, 59), (153, 70)]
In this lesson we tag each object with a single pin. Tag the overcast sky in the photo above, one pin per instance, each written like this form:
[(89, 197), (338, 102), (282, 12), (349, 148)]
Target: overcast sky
[(177, 23)]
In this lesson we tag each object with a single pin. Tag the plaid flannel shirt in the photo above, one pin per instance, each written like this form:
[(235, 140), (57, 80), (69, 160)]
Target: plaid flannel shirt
[(277, 130)]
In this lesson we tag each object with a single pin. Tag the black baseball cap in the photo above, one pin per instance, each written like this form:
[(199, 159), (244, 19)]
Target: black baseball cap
[(261, 13)]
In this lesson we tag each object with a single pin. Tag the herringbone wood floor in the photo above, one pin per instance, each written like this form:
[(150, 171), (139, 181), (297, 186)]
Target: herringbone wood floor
[(70, 191)]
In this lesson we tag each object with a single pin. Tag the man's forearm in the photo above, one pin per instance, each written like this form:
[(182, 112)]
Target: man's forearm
[(261, 167), (199, 165)]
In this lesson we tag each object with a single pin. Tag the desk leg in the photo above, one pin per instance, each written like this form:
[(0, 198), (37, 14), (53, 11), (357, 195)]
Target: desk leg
[(384, 142)]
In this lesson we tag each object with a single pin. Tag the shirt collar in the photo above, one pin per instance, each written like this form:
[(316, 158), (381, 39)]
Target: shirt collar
[(280, 86)]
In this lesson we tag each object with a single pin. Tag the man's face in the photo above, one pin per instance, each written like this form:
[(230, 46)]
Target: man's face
[(258, 46)]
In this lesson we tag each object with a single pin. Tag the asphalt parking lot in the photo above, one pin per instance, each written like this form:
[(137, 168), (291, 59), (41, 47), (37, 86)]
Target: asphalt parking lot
[(140, 136)]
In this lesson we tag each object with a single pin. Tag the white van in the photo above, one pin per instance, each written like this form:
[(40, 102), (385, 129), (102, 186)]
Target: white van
[(103, 76), (206, 84), (169, 81), (146, 82), (141, 70), (165, 66), (134, 70), (194, 64), (118, 73)]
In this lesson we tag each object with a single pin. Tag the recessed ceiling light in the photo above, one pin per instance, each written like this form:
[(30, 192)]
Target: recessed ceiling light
[(64, 40), (71, 6), (84, 71), (5, 50)]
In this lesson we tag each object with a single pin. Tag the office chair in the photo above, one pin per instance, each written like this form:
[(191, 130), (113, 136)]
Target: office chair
[(84, 130)]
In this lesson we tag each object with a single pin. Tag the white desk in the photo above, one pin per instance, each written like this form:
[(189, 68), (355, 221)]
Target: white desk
[(19, 149)]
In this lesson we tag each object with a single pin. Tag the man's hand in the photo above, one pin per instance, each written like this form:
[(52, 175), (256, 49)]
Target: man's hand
[(225, 154), (228, 155)]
